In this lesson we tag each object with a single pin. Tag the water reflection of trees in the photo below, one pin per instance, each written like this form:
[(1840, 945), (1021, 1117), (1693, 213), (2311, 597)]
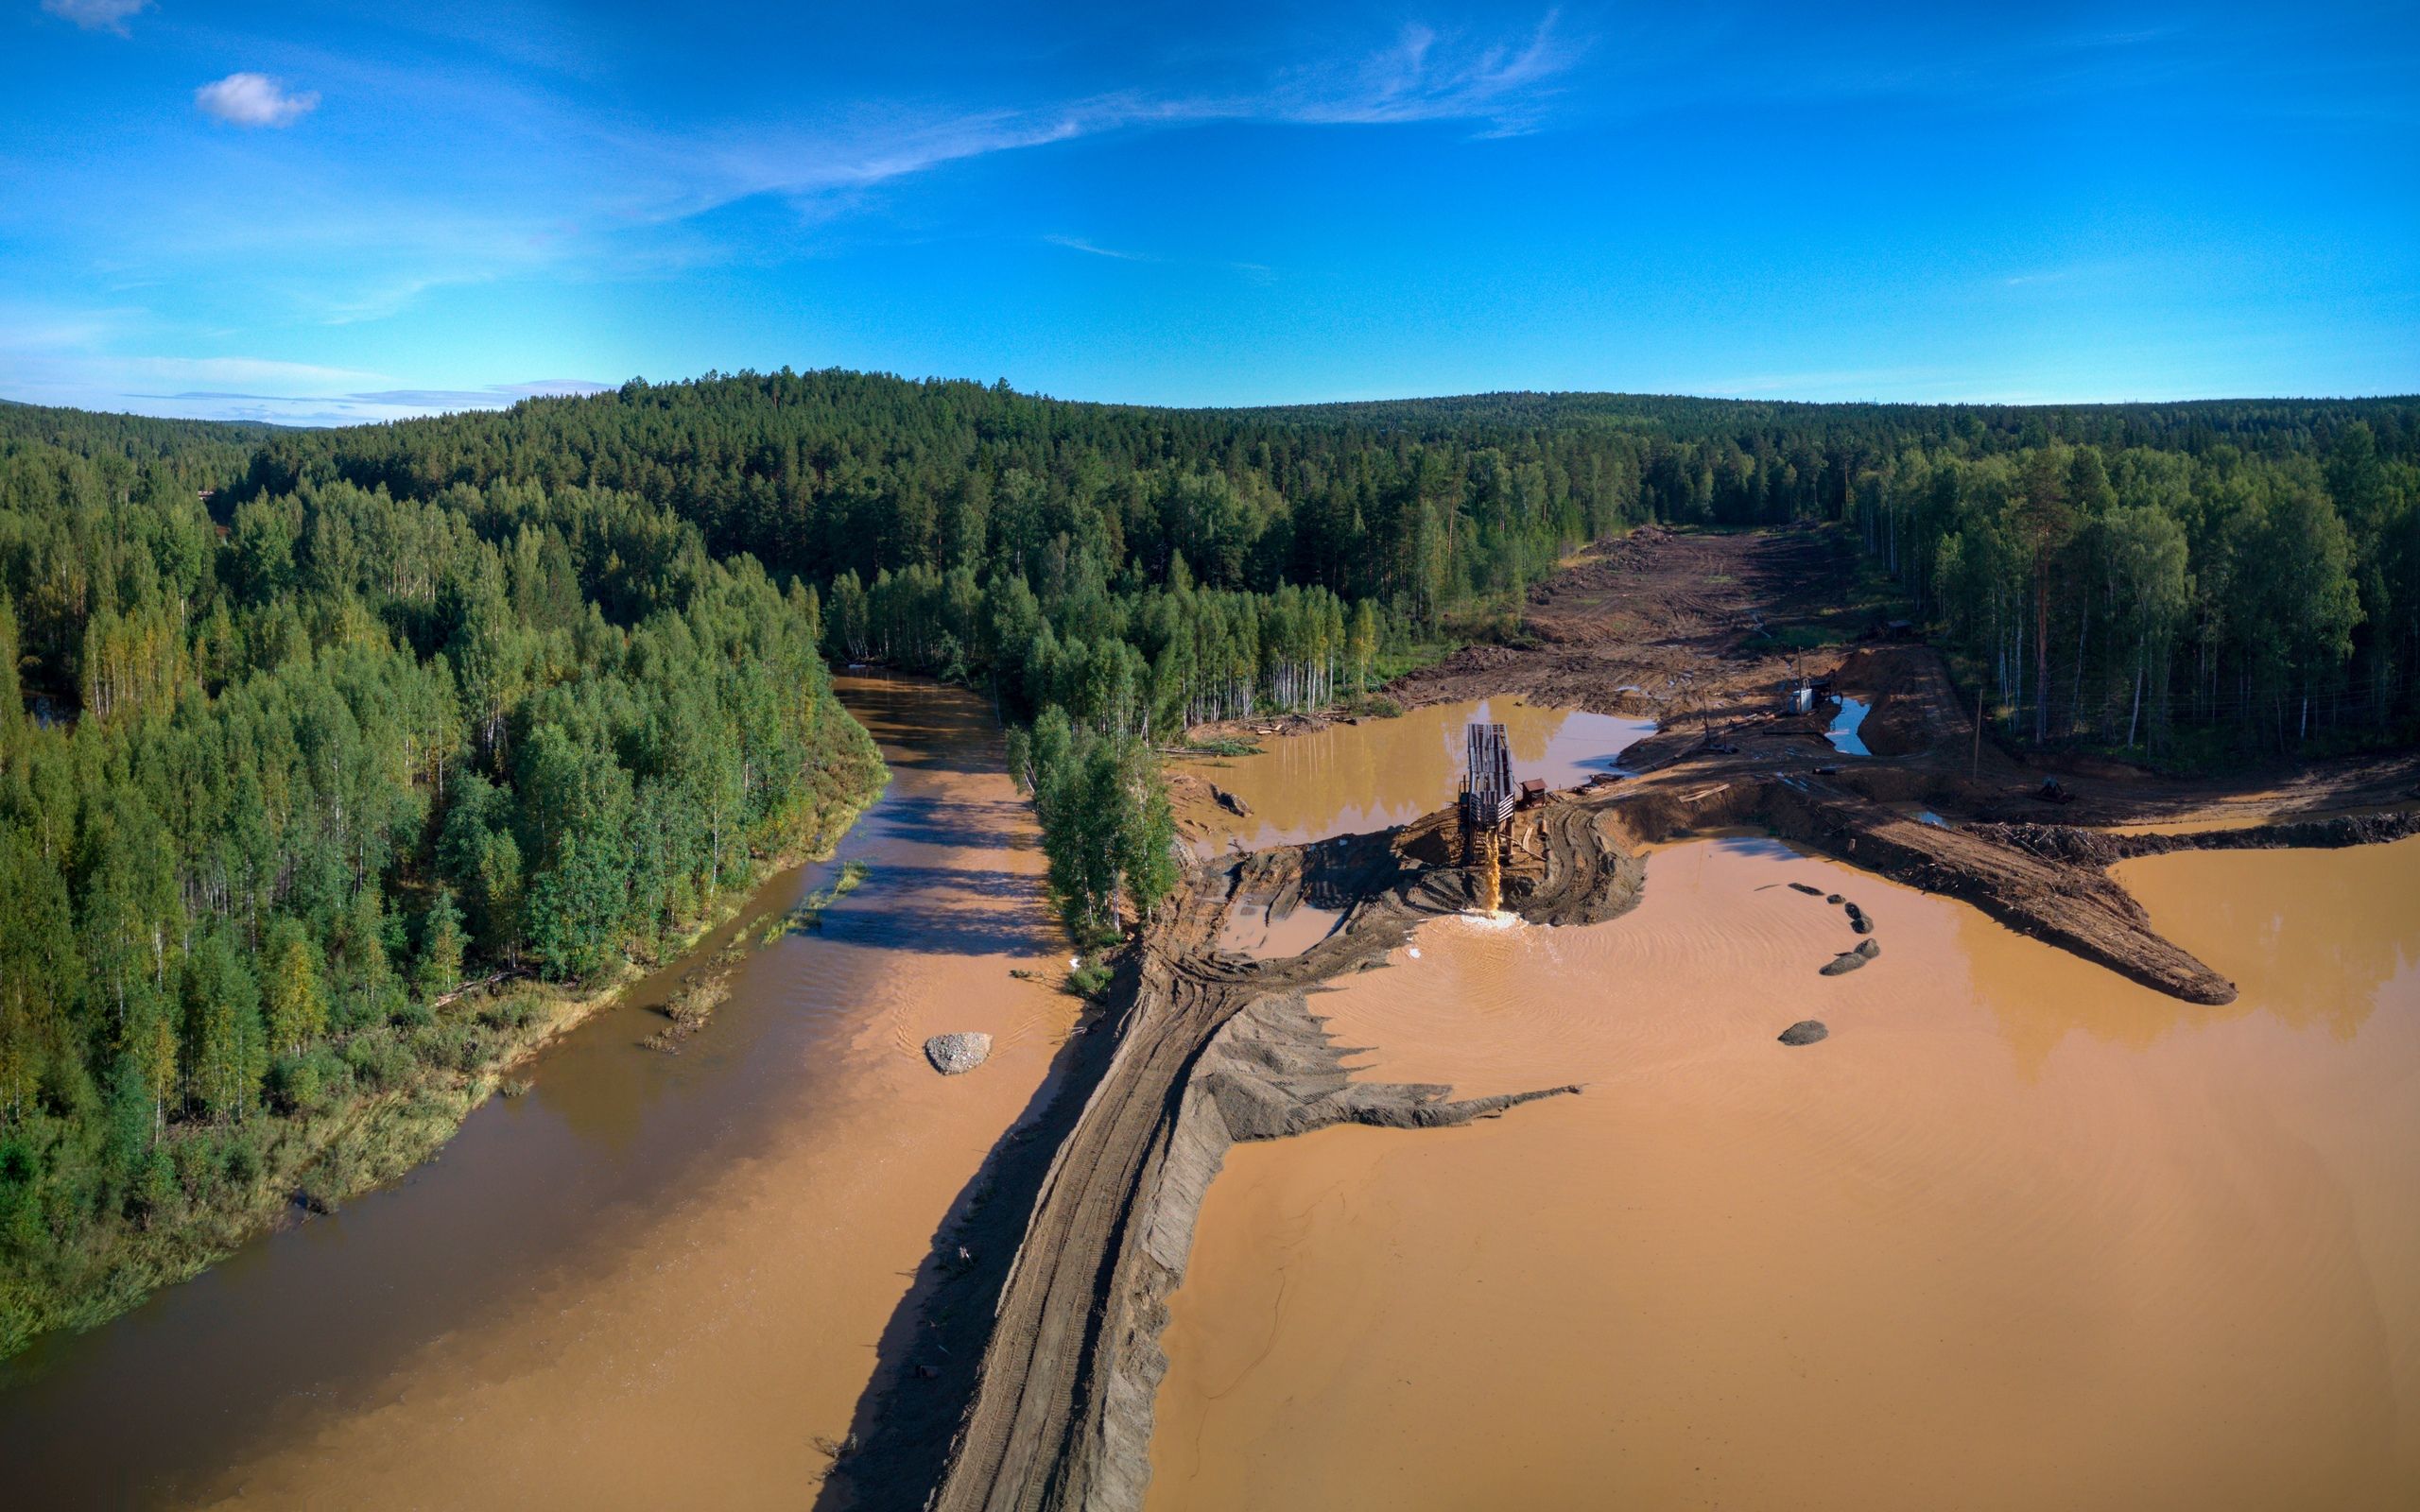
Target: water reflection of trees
[(1352, 779), (2316, 939)]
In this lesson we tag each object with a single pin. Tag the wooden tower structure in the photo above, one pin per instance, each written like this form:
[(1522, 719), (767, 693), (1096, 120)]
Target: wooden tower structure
[(1488, 799), (1488, 791)]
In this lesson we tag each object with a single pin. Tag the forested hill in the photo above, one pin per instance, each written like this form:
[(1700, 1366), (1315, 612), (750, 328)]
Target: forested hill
[(271, 791), (300, 729), (2241, 573), (198, 446), (2277, 426)]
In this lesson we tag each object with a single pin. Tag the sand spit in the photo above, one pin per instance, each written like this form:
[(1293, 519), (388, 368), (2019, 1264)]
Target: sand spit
[(1215, 1049), (1063, 1286), (1066, 1309)]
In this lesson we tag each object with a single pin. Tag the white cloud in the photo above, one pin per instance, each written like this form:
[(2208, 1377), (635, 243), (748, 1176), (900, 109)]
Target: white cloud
[(59, 357), (96, 15), (250, 372), (253, 99)]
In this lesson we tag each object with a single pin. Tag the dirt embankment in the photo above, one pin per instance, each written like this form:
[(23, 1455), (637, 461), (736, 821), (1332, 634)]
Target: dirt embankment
[(1061, 1285), (1213, 1048), (2100, 848), (1210, 1048)]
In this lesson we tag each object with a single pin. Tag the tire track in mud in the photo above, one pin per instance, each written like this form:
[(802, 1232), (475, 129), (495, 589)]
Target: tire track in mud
[(1083, 1221), (1213, 1049)]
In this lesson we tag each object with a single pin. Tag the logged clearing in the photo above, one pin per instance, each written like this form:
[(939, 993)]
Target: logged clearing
[(1062, 1290)]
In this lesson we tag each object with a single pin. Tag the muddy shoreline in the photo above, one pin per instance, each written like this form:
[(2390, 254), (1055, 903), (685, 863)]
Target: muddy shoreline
[(1214, 1050), (1062, 1287), (1061, 1290)]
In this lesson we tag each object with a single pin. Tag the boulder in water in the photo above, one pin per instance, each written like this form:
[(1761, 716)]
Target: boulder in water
[(1232, 802), (1845, 962), (1805, 1032), (955, 1053)]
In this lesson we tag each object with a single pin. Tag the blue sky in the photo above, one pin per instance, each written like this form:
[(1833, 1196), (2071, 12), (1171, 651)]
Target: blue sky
[(330, 211)]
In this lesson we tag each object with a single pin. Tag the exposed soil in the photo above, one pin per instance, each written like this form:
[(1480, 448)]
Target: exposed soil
[(1660, 622), (1212, 1048)]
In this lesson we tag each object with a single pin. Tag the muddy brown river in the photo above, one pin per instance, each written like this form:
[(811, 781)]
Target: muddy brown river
[(651, 1281), (2019, 1234)]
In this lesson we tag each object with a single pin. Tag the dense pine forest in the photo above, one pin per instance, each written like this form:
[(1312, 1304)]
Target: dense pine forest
[(306, 728), (280, 774), (2237, 576)]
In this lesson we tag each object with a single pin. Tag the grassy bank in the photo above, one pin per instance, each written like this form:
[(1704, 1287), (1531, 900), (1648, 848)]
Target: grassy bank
[(363, 1110)]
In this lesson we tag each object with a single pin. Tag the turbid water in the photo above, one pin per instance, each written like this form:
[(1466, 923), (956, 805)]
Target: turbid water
[(2019, 1234), (1354, 779), (653, 1280)]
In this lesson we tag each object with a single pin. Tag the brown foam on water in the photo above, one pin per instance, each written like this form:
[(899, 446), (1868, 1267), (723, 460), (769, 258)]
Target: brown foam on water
[(2020, 1234)]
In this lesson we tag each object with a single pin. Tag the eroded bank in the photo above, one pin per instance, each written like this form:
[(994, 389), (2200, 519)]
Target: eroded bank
[(654, 1279)]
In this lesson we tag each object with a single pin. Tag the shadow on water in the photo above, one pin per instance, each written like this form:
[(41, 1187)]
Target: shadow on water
[(318, 1320), (931, 1350), (314, 1318)]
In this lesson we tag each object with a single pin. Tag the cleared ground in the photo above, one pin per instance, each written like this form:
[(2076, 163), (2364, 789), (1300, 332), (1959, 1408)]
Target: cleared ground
[(1212, 1048)]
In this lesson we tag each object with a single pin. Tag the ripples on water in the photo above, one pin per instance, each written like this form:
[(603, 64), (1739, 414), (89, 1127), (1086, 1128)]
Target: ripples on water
[(652, 1281), (2019, 1234)]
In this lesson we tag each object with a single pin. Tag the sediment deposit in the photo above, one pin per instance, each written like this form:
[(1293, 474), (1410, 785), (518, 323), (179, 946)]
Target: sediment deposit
[(1213, 1048)]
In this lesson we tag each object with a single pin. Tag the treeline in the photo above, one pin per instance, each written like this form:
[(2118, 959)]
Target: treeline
[(829, 473), (2231, 574), (204, 452), (1149, 568), (275, 781), (2130, 596), (1138, 570), (295, 717), (1147, 660)]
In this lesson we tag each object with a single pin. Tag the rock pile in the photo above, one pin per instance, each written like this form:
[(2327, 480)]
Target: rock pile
[(955, 1053)]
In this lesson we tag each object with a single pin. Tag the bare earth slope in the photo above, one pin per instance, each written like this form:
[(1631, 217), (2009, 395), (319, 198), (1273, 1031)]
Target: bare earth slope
[(1212, 1048)]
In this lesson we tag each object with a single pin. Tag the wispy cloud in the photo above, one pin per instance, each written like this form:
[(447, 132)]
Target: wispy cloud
[(495, 396), (62, 357), (1077, 244), (1427, 77), (1503, 87), (254, 100), (96, 15), (421, 401), (606, 197), (504, 176), (1256, 272)]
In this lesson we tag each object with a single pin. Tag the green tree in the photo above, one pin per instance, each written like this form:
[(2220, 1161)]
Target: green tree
[(297, 997), (224, 1058), (440, 946)]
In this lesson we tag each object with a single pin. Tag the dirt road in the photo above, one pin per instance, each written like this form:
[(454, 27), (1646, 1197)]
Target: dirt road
[(1061, 1283)]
